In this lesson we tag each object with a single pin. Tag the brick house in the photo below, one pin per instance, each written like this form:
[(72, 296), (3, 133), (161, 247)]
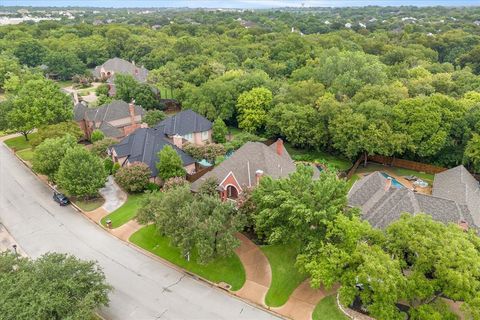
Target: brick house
[(246, 166), (116, 119), (106, 72), (186, 126), (455, 199), (143, 145)]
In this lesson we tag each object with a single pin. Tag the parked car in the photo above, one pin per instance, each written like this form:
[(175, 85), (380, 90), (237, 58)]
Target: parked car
[(60, 198)]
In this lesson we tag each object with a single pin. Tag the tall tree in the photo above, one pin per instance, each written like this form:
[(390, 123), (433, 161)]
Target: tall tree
[(169, 164), (64, 64), (252, 108), (81, 173), (472, 153), (125, 87), (30, 52), (54, 286), (50, 153), (219, 131), (38, 102)]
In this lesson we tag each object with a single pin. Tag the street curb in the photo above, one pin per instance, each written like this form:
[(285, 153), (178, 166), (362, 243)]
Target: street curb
[(155, 257)]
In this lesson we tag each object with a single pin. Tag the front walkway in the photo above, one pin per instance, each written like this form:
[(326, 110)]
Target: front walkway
[(257, 270), (114, 197), (125, 231), (302, 301)]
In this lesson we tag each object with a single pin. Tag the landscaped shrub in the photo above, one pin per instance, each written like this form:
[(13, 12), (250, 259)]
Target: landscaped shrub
[(108, 163), (97, 135), (151, 186), (133, 178), (57, 130), (115, 168), (174, 182), (99, 148), (219, 131)]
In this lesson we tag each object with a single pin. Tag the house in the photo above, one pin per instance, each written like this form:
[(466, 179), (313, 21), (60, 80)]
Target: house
[(455, 199), (116, 119), (246, 166), (107, 71), (186, 126), (143, 145)]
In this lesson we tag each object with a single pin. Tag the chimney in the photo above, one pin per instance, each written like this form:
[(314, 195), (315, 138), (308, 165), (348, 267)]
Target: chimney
[(178, 141), (258, 176), (463, 225), (144, 125), (388, 184), (131, 109), (279, 146)]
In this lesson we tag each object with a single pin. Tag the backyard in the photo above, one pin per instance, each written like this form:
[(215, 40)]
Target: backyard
[(338, 162), (285, 277), (371, 167), (125, 213), (229, 270)]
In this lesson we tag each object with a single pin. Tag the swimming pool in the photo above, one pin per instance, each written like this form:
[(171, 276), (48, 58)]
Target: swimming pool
[(395, 182)]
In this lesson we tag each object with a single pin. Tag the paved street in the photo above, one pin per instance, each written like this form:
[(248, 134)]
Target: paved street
[(144, 288)]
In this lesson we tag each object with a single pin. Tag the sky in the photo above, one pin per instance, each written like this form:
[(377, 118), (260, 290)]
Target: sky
[(244, 4)]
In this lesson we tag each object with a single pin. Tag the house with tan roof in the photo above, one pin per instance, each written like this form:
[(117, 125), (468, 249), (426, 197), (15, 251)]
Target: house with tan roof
[(455, 199), (246, 166), (116, 119)]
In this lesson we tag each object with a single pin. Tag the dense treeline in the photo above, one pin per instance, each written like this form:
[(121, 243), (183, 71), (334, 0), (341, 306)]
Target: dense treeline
[(395, 81)]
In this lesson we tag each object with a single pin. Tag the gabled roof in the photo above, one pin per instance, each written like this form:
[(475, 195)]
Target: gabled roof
[(144, 144), (79, 111), (459, 185), (252, 156), (118, 65), (382, 204), (183, 123), (115, 110), (110, 131)]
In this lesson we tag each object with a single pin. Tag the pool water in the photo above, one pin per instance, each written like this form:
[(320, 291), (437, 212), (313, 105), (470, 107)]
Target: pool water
[(395, 182)]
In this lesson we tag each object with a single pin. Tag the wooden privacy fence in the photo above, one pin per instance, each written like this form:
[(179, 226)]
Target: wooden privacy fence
[(197, 175), (407, 164)]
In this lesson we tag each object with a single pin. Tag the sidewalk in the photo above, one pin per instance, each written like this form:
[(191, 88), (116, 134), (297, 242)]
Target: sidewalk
[(7, 242)]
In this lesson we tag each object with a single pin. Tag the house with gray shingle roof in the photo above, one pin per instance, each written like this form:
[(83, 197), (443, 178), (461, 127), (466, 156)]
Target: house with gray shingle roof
[(143, 145), (455, 199), (187, 126), (107, 71), (116, 119), (246, 166)]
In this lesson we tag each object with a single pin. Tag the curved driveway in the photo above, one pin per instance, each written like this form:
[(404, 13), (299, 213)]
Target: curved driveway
[(143, 288)]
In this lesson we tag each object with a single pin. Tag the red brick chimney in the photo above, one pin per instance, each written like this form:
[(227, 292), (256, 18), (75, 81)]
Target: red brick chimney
[(279, 146), (131, 109), (178, 141), (463, 225), (258, 176)]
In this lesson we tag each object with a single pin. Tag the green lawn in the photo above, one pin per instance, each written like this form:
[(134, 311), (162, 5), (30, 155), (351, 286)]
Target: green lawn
[(65, 83), (285, 277), (338, 163), (26, 154), (399, 171), (125, 213), (19, 143), (89, 205), (229, 270), (327, 309)]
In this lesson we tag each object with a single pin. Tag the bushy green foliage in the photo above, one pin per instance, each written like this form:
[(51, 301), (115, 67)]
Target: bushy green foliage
[(64, 64), (100, 147), (49, 154), (55, 277), (134, 177), (153, 117), (81, 173), (56, 131), (97, 135), (219, 131), (169, 164)]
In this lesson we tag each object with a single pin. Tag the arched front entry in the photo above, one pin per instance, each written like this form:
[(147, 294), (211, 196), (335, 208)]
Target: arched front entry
[(232, 192)]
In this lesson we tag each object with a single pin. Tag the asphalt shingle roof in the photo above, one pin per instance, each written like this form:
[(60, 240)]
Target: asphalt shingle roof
[(118, 65), (382, 204), (252, 156), (144, 144), (183, 123), (115, 110)]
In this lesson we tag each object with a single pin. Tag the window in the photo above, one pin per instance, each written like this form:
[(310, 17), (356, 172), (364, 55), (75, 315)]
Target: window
[(232, 192), (204, 135), (188, 137)]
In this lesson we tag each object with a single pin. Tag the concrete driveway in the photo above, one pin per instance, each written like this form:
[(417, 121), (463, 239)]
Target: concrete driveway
[(143, 287), (113, 195)]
